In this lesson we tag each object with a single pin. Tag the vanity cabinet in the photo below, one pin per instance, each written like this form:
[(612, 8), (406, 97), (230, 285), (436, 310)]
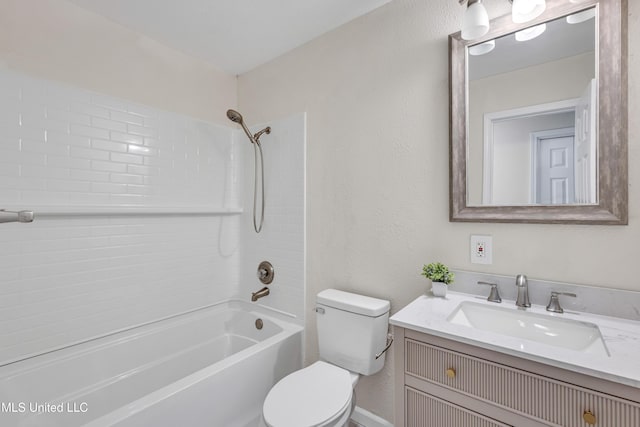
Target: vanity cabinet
[(445, 383)]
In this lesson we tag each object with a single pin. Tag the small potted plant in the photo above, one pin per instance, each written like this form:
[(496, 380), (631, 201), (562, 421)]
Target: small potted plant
[(440, 277)]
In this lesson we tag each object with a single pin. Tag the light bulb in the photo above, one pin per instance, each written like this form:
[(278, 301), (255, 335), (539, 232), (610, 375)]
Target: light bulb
[(475, 22), (526, 10)]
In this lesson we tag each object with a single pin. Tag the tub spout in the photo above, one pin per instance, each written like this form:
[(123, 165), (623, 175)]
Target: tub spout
[(255, 296)]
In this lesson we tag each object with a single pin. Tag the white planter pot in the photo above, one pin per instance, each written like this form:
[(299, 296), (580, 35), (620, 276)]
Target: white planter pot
[(439, 289)]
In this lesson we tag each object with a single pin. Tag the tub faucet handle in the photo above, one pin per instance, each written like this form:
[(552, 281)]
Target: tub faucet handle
[(265, 272)]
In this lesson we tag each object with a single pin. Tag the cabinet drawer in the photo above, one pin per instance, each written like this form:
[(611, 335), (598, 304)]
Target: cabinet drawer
[(531, 395), (424, 410)]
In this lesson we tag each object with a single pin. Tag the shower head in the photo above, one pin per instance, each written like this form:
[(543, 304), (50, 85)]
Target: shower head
[(236, 117)]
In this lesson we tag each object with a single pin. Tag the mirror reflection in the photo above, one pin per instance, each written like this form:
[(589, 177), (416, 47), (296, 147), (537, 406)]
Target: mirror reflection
[(532, 115)]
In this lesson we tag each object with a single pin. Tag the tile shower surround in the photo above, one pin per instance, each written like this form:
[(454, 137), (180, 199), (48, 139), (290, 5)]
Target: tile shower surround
[(70, 278), (282, 240)]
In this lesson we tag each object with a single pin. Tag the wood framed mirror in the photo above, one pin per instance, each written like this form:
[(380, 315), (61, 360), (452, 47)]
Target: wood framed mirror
[(483, 180)]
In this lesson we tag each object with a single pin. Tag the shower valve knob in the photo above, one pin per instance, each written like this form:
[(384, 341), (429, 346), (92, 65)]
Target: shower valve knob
[(266, 272)]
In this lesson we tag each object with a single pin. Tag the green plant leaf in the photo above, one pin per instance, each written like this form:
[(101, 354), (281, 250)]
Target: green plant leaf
[(438, 272)]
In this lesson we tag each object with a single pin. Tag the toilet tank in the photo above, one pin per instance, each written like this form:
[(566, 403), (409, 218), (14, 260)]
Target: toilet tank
[(352, 329)]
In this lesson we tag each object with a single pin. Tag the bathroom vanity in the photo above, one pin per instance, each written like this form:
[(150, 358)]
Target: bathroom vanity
[(451, 374)]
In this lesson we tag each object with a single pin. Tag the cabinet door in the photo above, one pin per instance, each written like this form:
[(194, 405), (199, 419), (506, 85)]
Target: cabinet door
[(425, 410)]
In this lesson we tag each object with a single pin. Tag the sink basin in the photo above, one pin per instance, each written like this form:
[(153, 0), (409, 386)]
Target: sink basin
[(563, 333)]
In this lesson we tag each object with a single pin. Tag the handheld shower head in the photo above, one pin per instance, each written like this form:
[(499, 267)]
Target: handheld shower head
[(234, 116)]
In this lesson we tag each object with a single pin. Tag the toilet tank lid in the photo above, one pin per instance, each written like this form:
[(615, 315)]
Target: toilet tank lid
[(353, 303)]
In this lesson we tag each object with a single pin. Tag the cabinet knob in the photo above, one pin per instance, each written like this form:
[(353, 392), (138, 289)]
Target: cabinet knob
[(589, 418), (451, 373)]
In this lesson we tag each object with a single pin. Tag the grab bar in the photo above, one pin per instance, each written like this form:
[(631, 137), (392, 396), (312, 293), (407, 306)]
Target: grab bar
[(20, 216)]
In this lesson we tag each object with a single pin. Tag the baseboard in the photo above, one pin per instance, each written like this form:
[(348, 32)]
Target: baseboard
[(367, 419)]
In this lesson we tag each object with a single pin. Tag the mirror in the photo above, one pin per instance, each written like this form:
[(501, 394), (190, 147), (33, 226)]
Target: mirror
[(523, 96), (538, 118)]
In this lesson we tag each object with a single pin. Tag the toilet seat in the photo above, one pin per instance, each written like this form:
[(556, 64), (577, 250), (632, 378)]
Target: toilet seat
[(315, 396)]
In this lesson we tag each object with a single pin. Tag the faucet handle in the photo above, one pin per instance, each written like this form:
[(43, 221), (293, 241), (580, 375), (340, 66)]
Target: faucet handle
[(494, 295), (554, 302), (265, 272)]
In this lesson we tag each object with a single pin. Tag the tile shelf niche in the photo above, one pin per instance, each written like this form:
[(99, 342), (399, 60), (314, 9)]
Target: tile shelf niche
[(95, 210)]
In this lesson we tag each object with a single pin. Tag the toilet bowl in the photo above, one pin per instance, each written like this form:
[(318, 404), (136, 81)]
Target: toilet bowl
[(352, 332), (320, 395)]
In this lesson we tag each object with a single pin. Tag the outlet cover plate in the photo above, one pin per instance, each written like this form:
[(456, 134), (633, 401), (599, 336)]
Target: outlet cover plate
[(481, 249)]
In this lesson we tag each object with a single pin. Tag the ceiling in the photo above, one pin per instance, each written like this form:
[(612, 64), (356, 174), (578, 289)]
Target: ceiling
[(233, 35)]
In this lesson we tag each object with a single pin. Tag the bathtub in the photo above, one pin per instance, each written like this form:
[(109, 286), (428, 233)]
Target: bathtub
[(211, 367)]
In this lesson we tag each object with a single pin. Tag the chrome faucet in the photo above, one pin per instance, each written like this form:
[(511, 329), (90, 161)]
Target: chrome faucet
[(255, 296), (21, 216), (523, 291)]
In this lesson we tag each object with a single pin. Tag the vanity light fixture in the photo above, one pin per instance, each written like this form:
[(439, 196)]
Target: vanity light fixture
[(475, 21), (530, 33)]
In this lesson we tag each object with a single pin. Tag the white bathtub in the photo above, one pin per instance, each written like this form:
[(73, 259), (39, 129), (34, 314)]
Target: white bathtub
[(211, 367)]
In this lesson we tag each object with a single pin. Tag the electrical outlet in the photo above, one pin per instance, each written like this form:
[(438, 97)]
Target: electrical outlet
[(481, 249)]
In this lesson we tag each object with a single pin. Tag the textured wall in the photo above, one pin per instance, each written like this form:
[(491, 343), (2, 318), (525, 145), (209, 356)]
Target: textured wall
[(376, 96), (58, 40)]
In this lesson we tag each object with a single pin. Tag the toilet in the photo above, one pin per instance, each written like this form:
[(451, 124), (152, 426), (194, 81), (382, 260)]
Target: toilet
[(352, 330)]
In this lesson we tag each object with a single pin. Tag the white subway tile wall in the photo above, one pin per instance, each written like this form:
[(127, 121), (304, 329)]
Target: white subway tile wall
[(67, 279), (282, 240)]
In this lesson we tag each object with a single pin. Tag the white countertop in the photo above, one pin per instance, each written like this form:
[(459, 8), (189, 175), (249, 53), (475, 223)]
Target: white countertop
[(429, 314)]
